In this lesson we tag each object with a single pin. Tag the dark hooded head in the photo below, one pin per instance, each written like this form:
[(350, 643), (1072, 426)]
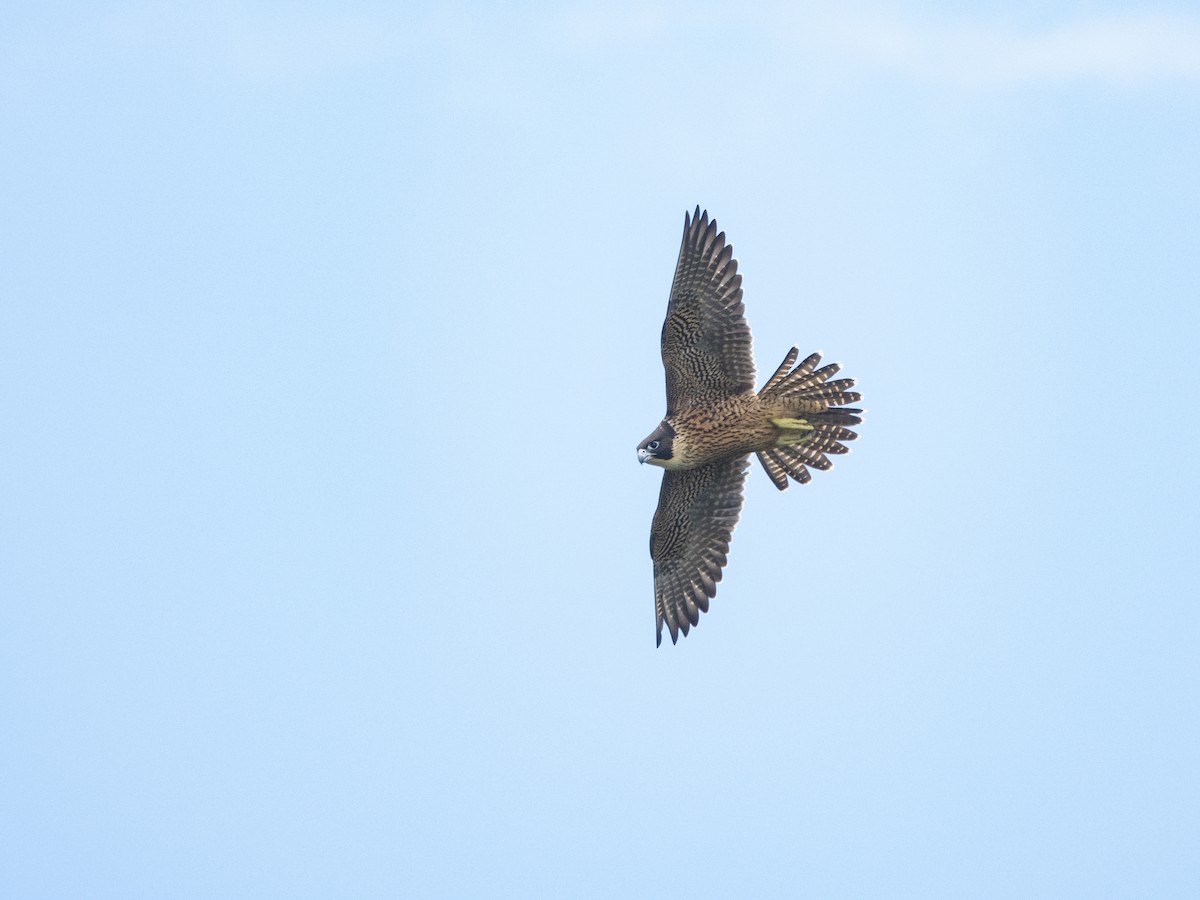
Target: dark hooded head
[(657, 447)]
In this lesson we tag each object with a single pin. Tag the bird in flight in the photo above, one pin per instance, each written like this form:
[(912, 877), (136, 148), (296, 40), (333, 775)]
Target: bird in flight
[(715, 419)]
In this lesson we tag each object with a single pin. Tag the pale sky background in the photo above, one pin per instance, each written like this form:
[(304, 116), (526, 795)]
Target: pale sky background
[(327, 334)]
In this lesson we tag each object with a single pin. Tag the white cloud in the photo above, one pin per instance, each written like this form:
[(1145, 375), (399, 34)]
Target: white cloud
[(1134, 48), (281, 44), (1130, 49), (247, 42)]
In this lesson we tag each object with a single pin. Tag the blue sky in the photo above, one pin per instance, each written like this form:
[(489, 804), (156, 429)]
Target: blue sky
[(328, 334)]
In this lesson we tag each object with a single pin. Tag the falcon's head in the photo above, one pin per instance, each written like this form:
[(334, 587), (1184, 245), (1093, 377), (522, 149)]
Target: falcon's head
[(656, 448)]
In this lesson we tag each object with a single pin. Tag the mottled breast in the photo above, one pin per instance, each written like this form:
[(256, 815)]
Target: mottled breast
[(719, 430)]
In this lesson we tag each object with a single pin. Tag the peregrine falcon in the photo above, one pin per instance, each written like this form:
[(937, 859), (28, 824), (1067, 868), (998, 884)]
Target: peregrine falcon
[(715, 420)]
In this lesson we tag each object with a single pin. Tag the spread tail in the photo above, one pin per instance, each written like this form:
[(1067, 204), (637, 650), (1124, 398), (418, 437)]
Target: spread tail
[(811, 428)]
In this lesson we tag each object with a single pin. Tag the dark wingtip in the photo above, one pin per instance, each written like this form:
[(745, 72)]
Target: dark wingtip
[(658, 640)]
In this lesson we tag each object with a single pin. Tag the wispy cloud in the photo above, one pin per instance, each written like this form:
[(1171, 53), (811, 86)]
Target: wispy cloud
[(1130, 49), (284, 45), (248, 43), (1134, 48)]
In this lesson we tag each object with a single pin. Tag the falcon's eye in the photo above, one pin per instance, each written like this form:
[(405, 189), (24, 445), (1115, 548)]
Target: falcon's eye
[(653, 445)]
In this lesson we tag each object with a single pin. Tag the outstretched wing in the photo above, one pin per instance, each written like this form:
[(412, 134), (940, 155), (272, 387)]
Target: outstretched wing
[(697, 510), (705, 339)]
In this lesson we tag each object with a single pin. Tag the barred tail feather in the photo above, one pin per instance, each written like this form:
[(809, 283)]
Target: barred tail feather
[(774, 468), (807, 392), (833, 391), (842, 417), (799, 380), (781, 463), (774, 380)]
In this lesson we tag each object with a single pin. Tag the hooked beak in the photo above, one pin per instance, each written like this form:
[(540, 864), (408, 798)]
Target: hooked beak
[(643, 455)]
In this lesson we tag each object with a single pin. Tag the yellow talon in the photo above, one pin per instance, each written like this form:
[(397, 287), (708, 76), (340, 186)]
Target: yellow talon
[(790, 427), (793, 424)]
